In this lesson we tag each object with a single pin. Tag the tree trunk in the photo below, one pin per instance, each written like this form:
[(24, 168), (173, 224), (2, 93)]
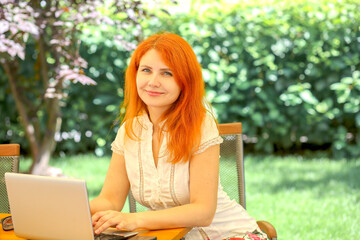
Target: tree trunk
[(11, 70), (41, 165), (41, 145)]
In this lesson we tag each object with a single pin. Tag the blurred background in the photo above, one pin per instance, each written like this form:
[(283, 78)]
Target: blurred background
[(288, 70)]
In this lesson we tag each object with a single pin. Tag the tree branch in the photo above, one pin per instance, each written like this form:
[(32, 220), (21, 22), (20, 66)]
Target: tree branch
[(44, 70), (11, 70)]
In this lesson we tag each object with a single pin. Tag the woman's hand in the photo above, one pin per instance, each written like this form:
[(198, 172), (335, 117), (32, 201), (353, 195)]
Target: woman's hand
[(105, 219)]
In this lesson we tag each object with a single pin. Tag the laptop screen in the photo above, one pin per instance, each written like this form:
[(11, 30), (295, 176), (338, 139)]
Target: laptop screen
[(48, 207)]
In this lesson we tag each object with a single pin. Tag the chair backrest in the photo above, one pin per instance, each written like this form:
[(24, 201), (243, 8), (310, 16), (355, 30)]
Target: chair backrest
[(231, 165), (232, 161), (9, 162)]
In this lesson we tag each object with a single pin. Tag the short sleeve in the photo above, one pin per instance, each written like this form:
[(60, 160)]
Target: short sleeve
[(209, 134), (117, 146)]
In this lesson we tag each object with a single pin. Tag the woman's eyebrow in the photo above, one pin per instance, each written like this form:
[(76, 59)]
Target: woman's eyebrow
[(161, 69), (145, 66)]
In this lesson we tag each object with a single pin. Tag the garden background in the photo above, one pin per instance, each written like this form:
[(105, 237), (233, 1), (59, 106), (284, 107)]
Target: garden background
[(288, 70)]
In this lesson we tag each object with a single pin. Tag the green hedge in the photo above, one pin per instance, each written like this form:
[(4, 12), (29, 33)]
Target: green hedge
[(289, 71)]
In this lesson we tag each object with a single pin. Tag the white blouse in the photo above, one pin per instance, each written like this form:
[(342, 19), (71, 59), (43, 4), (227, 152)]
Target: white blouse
[(167, 185)]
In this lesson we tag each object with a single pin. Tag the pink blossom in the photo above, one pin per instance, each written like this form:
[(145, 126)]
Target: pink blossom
[(75, 75), (4, 26), (11, 47)]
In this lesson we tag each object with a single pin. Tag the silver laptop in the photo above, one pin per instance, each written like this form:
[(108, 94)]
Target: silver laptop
[(52, 208)]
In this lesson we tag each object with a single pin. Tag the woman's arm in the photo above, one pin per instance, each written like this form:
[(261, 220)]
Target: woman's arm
[(115, 189), (204, 172)]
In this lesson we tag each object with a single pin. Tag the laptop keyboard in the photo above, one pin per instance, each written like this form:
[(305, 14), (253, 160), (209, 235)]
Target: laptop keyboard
[(116, 235), (108, 237)]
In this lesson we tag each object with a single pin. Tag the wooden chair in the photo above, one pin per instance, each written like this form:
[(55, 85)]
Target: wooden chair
[(9, 162), (231, 152)]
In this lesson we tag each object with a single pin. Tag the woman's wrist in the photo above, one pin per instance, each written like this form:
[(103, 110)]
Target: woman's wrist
[(140, 221)]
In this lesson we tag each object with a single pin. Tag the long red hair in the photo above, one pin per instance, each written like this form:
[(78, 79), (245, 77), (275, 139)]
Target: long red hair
[(184, 119)]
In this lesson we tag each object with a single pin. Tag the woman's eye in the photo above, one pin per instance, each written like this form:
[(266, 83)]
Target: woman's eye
[(168, 74)]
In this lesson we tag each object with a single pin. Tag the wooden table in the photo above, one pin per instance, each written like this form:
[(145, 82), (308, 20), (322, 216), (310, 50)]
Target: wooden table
[(167, 234)]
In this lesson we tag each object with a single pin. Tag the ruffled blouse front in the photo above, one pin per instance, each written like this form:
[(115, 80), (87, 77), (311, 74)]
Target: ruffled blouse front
[(167, 185)]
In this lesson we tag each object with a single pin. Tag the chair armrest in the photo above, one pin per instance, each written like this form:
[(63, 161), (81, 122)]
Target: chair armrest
[(268, 228)]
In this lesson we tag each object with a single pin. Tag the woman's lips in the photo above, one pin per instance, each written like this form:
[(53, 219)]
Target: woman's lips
[(153, 94)]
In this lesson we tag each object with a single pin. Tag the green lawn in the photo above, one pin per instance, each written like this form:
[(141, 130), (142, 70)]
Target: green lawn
[(303, 198)]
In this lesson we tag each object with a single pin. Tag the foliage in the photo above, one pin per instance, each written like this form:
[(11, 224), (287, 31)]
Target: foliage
[(91, 112), (39, 49), (289, 71)]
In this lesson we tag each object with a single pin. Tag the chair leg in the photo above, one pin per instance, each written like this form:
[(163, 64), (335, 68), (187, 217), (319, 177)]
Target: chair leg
[(268, 228)]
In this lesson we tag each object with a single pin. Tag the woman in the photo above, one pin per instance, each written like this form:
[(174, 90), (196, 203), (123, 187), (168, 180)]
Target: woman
[(167, 151)]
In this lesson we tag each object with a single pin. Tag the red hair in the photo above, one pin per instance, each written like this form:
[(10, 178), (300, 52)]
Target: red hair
[(184, 118)]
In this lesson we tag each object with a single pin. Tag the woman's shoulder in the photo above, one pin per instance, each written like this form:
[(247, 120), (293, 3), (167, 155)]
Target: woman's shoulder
[(209, 127), (209, 122), (209, 134)]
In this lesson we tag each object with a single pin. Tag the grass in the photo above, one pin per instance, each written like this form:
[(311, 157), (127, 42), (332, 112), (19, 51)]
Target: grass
[(304, 198)]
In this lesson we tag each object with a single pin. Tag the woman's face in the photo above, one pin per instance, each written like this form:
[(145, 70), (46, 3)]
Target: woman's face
[(155, 82)]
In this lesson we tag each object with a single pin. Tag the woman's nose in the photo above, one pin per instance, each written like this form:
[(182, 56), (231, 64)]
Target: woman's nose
[(154, 81)]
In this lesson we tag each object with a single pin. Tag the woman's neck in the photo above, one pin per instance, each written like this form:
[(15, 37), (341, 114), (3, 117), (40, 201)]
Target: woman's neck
[(155, 117)]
